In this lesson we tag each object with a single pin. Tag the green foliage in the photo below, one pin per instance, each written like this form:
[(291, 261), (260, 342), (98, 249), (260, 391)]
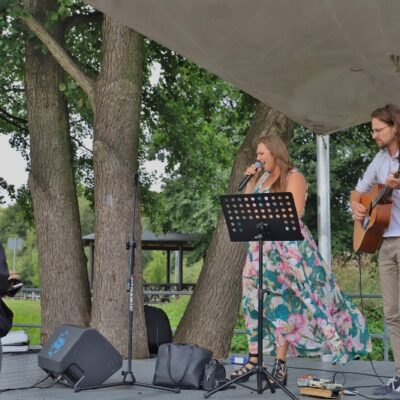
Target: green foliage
[(82, 40), (63, 11), (86, 215), (12, 97), (27, 263), (154, 271), (354, 275), (5, 4), (239, 341), (12, 223), (192, 271), (24, 202), (155, 268), (375, 325), (350, 153), (194, 123)]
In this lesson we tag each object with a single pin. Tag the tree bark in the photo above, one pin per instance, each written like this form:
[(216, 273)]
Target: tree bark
[(210, 317), (59, 54), (116, 132), (65, 296)]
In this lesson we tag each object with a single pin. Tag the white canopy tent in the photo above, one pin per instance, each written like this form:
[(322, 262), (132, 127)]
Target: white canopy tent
[(324, 63)]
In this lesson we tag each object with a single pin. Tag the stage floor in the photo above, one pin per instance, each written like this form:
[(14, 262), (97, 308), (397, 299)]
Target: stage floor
[(21, 369)]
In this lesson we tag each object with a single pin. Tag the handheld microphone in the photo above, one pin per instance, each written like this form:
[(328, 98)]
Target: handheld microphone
[(242, 184)]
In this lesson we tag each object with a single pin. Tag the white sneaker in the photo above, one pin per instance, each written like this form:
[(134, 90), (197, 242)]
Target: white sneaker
[(392, 385)]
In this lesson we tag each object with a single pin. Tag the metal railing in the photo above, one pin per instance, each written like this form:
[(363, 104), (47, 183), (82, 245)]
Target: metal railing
[(159, 293), (28, 294)]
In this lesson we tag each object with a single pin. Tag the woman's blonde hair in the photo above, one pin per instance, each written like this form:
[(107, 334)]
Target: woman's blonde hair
[(278, 149)]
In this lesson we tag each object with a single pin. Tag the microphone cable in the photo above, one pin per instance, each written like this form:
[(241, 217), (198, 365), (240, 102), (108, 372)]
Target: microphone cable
[(34, 386)]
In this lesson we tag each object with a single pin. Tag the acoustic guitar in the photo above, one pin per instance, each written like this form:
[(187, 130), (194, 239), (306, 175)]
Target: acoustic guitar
[(368, 233)]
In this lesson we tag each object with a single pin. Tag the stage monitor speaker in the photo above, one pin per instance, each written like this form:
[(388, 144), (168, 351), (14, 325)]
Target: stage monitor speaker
[(79, 357)]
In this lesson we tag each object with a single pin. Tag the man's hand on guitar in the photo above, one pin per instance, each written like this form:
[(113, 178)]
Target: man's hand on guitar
[(359, 211), (393, 181)]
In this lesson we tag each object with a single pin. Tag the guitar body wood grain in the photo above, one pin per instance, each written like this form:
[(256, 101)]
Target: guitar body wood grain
[(368, 239)]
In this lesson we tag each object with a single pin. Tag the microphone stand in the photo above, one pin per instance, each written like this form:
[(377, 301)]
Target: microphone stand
[(128, 377), (260, 217)]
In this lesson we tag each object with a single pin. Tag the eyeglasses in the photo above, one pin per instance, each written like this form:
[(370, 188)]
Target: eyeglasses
[(374, 131)]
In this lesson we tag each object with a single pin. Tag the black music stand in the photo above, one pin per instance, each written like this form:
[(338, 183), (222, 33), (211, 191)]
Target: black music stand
[(260, 217)]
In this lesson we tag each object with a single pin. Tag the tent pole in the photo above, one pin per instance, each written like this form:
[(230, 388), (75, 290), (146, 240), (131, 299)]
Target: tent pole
[(323, 195)]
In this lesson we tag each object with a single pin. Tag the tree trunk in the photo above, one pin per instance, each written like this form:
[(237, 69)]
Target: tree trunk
[(116, 126), (210, 317), (65, 296)]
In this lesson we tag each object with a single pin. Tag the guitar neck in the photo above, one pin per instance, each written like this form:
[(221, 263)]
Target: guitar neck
[(386, 192), (383, 194)]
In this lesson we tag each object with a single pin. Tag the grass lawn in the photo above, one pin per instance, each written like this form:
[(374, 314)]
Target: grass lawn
[(175, 309), (26, 312)]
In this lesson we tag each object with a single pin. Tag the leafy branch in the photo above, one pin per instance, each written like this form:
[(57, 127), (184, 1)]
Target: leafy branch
[(67, 63), (19, 123)]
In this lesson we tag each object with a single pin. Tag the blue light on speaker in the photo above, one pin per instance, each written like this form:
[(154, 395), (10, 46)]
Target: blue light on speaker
[(58, 344)]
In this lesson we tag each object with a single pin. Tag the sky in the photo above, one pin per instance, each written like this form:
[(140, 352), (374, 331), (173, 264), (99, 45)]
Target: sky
[(12, 165)]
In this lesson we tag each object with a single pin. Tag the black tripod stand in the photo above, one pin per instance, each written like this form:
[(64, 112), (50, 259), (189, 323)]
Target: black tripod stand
[(259, 217), (128, 377)]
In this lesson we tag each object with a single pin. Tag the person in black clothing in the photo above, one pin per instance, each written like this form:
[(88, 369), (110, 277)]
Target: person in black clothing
[(6, 280)]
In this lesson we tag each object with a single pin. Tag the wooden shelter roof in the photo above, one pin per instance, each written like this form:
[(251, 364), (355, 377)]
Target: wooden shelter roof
[(151, 241)]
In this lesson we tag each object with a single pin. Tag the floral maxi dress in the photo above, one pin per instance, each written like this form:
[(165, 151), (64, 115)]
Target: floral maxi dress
[(304, 307)]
